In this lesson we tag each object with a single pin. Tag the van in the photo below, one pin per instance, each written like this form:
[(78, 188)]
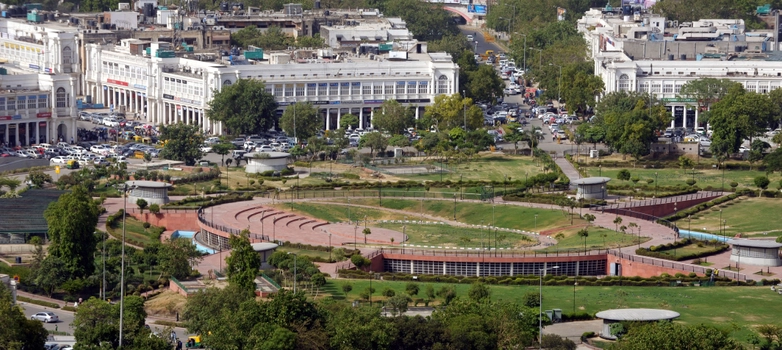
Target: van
[(237, 153), (470, 37)]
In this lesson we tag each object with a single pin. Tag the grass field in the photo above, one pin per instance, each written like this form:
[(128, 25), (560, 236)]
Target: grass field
[(490, 167), (750, 216), (450, 236), (599, 238), (135, 231), (706, 305), (688, 249), (305, 252), (703, 178)]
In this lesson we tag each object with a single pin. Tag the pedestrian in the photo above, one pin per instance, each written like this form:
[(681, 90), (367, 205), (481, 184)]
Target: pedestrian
[(178, 344)]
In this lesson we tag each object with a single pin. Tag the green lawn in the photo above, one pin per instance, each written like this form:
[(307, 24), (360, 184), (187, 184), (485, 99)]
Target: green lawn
[(599, 238), (750, 216), (305, 252), (490, 167), (450, 236), (135, 231), (506, 216), (703, 178), (688, 249), (697, 305)]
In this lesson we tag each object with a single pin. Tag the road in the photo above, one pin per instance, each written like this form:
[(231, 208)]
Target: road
[(66, 319)]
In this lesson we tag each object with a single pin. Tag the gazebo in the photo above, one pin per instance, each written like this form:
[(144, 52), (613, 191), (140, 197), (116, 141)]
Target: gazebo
[(755, 252), (266, 161), (635, 315), (153, 192), (591, 187)]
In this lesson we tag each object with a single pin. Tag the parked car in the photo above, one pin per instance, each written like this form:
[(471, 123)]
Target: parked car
[(59, 160), (46, 316), (238, 142), (212, 140)]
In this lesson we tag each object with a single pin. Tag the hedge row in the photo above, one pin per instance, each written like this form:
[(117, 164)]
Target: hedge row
[(657, 254), (683, 214), (37, 302), (555, 199), (212, 174), (211, 201)]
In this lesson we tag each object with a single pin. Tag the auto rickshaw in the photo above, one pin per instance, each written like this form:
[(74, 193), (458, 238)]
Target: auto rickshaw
[(72, 164), (193, 342), (138, 154)]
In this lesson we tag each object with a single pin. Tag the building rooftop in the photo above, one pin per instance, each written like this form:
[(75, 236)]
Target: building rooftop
[(591, 181), (148, 184), (637, 314), (755, 243), (25, 214)]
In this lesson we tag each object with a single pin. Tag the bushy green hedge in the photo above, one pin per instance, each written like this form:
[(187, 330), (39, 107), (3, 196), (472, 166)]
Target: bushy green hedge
[(37, 302), (683, 214), (205, 202), (656, 251), (555, 199), (212, 174)]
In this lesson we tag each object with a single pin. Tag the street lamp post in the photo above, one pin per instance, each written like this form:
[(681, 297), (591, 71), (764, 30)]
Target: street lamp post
[(295, 263), (575, 284), (330, 248), (655, 184), (536, 222), (540, 305), (464, 108), (355, 235), (720, 223), (122, 273)]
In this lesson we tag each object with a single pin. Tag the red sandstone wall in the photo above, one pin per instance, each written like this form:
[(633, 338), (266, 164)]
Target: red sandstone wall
[(174, 219), (661, 210), (175, 288), (635, 268)]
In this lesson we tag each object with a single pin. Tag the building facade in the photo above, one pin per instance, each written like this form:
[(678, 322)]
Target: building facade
[(36, 108), (646, 53), (166, 89)]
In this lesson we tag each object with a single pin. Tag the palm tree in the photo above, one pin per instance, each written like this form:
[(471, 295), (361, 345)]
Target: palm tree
[(584, 233), (12, 184)]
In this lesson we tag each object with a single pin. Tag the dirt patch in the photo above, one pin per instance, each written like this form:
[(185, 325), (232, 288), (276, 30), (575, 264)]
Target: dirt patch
[(166, 304), (554, 231)]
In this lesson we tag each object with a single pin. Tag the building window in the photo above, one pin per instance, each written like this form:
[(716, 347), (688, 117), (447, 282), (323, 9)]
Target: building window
[(366, 89), (2, 104), (411, 87), (299, 90), (43, 102), (278, 90), (752, 87), (624, 82), (20, 103), (400, 88), (11, 103), (668, 88), (644, 87), (227, 83), (389, 88), (67, 59), (442, 85), (763, 88), (288, 90), (423, 87), (31, 103), (311, 90), (62, 98), (677, 89), (377, 89), (344, 89), (655, 88)]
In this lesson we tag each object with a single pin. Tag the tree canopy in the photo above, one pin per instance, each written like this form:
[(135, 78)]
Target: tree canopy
[(630, 123), (243, 107), (740, 115), (484, 84), (72, 220), (301, 120), (393, 117), (243, 263), (18, 332), (449, 112), (183, 142)]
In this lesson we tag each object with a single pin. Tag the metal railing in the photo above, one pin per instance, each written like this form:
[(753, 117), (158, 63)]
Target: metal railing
[(664, 200), (375, 193), (226, 229), (493, 253), (676, 265)]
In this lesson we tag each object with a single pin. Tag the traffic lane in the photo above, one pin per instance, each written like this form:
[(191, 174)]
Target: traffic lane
[(478, 34), (66, 320)]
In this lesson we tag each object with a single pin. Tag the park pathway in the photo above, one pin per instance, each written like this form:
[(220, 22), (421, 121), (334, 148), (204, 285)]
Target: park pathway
[(568, 169)]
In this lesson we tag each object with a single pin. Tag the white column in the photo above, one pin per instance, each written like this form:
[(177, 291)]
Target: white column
[(16, 132), (361, 118), (696, 116), (328, 118), (37, 133), (339, 115), (684, 117), (371, 117), (673, 116), (417, 112)]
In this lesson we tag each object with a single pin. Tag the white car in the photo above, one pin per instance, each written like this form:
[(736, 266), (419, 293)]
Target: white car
[(206, 148), (59, 160), (212, 140), (47, 317), (120, 159), (264, 148)]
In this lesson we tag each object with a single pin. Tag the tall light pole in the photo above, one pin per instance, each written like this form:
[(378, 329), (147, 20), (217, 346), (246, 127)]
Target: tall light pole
[(103, 252), (540, 305), (122, 273), (295, 262), (536, 222), (330, 248), (464, 108)]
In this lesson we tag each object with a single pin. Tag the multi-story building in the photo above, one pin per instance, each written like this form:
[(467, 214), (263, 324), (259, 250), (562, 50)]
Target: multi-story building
[(637, 51), (168, 89), (36, 108)]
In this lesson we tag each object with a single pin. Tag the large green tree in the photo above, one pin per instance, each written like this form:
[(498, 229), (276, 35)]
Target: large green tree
[(183, 142), (740, 115), (393, 117), (580, 87), (301, 120), (72, 220), (426, 21), (243, 263), (18, 332), (630, 123), (484, 84), (96, 326), (375, 141), (450, 112), (243, 107), (706, 91), (177, 256)]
